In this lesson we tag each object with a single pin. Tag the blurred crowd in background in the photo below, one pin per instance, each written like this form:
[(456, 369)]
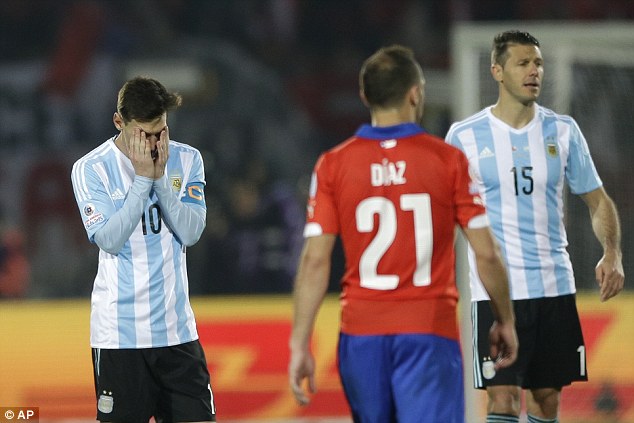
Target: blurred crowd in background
[(267, 86)]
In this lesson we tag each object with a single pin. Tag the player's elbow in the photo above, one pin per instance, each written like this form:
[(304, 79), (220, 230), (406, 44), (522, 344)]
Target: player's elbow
[(188, 241), (191, 237), (106, 243), (110, 248), (314, 260), (489, 256), (190, 233)]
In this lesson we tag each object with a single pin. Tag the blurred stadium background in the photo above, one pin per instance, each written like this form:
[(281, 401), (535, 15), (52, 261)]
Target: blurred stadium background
[(267, 85)]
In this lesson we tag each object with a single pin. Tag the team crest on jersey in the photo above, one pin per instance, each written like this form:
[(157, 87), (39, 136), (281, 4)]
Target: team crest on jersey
[(176, 182), (552, 150), (387, 144)]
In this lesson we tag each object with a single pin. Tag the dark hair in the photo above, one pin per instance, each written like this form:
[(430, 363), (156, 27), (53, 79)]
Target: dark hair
[(501, 42), (145, 99), (388, 74)]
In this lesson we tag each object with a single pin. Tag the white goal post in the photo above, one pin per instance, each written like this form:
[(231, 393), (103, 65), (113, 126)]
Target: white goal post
[(569, 50)]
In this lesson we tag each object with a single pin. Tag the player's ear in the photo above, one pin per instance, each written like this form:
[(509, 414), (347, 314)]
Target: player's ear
[(496, 72), (414, 95), (118, 121), (363, 99)]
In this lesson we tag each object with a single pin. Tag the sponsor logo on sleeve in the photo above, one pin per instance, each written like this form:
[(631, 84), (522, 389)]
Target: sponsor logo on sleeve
[(92, 216)]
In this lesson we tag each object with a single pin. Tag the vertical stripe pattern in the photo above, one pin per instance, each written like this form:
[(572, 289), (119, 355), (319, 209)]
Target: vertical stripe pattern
[(140, 295), (521, 174)]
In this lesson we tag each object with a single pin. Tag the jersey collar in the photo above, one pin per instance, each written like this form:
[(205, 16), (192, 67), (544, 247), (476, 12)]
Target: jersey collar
[(384, 132)]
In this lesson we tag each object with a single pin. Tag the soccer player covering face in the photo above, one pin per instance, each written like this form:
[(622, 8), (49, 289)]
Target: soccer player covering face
[(522, 154), (394, 194), (140, 196)]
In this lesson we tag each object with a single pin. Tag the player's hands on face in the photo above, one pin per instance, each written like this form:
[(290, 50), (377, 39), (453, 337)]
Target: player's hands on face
[(301, 366), (504, 344), (610, 276), (140, 153), (162, 153)]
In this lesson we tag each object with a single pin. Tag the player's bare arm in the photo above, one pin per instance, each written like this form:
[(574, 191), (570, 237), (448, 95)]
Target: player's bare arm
[(606, 226), (310, 288), (502, 336)]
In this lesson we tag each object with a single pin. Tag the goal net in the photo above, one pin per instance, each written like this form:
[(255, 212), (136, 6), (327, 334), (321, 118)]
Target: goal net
[(589, 74)]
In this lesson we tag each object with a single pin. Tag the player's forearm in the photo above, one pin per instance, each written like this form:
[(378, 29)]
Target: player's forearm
[(187, 221), (117, 230), (491, 271), (606, 226), (495, 281), (310, 288)]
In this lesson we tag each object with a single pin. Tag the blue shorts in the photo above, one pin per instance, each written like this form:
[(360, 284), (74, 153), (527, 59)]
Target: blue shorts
[(408, 378)]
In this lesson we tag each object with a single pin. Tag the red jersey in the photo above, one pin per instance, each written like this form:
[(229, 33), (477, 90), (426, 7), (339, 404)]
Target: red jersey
[(394, 195)]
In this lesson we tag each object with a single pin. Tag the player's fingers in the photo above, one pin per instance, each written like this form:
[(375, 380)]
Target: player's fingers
[(140, 142), (610, 281), (298, 392), (598, 275), (146, 144), (133, 144), (165, 135), (162, 146), (494, 351), (611, 286), (312, 387), (507, 356)]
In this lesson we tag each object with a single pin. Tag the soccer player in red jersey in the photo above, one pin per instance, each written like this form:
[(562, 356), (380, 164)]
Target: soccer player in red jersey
[(394, 194)]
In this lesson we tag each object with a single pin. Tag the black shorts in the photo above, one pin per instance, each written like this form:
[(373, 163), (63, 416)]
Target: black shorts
[(551, 352), (171, 384)]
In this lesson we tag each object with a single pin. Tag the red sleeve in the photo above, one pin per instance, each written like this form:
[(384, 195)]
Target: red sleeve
[(321, 208), (468, 202)]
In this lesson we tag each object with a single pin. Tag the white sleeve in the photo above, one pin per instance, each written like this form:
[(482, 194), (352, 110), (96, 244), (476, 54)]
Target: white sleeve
[(119, 227), (187, 220)]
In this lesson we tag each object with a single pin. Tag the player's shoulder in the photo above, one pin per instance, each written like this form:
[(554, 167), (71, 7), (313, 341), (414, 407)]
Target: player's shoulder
[(470, 122), (100, 153), (344, 146), (181, 146), (342, 153), (547, 114)]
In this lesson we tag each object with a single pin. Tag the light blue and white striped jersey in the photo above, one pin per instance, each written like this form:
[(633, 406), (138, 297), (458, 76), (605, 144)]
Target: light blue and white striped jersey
[(521, 175), (140, 297)]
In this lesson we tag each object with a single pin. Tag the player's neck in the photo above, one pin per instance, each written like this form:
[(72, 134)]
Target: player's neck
[(515, 114), (120, 144), (391, 117)]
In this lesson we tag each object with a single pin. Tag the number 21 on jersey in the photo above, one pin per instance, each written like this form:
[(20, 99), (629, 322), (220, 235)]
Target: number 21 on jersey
[(420, 206)]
